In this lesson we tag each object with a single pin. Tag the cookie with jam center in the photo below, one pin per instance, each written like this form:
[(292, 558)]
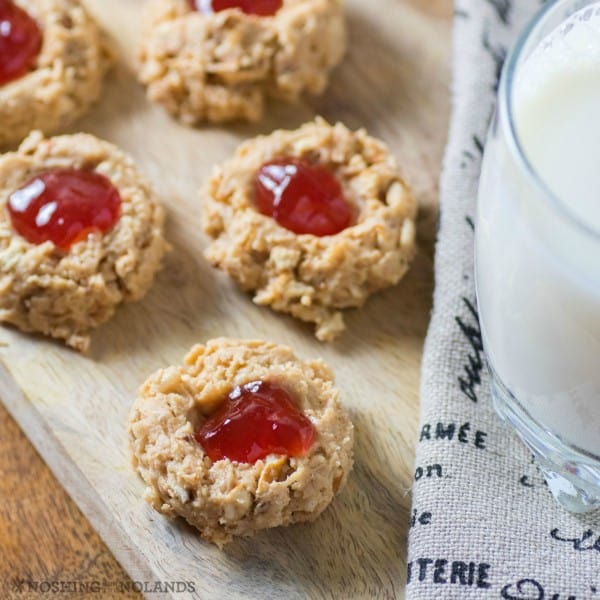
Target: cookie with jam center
[(243, 436), (53, 58), (311, 221), (81, 232), (220, 60)]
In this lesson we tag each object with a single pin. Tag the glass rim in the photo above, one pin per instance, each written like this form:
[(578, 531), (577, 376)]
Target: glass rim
[(506, 109)]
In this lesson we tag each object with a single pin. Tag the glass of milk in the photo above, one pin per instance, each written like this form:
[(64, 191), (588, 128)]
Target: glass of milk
[(538, 247)]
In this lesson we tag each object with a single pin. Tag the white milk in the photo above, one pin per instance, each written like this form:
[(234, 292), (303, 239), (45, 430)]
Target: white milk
[(538, 272)]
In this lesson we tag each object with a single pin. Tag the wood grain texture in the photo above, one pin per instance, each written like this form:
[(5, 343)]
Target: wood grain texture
[(74, 408), (44, 537)]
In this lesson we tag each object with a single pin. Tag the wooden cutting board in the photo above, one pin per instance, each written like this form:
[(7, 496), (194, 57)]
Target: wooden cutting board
[(74, 408)]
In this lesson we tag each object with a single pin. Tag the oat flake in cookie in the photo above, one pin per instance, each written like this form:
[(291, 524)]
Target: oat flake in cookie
[(80, 232), (53, 61), (204, 61), (280, 474), (349, 193)]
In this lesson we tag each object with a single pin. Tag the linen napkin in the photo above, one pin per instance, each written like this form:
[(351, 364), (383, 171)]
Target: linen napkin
[(483, 524)]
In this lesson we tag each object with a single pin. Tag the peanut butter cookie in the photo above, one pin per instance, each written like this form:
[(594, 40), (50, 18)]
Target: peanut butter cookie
[(80, 232), (53, 59), (311, 221), (243, 436), (203, 63)]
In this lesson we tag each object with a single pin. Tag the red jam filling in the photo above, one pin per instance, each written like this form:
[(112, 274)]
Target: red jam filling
[(302, 197), (20, 42), (256, 420), (261, 8), (64, 206)]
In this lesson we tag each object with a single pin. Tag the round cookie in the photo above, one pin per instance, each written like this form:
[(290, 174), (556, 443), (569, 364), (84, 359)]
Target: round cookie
[(225, 498), (67, 293), (310, 277), (68, 72), (222, 66)]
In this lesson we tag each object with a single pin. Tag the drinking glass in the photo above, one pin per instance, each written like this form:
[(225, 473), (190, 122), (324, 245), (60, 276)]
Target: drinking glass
[(538, 290)]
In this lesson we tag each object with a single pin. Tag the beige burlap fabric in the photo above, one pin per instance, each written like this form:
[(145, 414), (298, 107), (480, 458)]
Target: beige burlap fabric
[(484, 524)]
